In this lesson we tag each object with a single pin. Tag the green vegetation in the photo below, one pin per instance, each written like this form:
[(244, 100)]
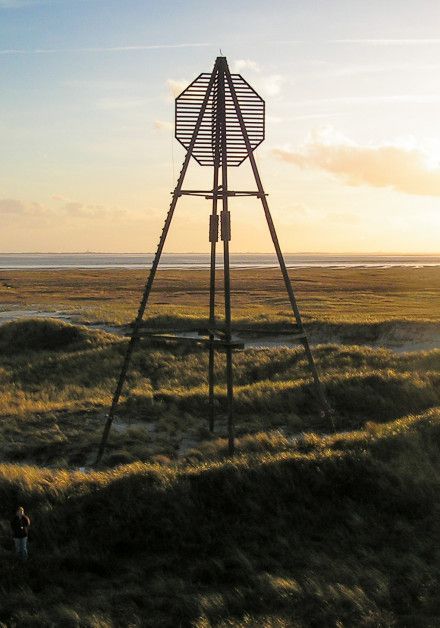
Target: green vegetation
[(303, 527), (47, 334), (332, 531), (53, 402)]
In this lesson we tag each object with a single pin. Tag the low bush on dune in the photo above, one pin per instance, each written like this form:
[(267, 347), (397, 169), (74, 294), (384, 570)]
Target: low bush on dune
[(47, 334)]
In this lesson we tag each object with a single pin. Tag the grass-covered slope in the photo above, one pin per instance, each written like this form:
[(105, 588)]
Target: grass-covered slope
[(331, 531), (304, 527), (53, 400)]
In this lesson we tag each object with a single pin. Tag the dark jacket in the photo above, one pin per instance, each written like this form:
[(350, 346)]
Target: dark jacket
[(20, 526)]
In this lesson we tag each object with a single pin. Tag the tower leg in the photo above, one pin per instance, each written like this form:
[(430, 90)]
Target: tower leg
[(213, 237), (318, 385), (152, 274), (305, 341), (226, 237), (228, 334), (136, 327), (211, 383)]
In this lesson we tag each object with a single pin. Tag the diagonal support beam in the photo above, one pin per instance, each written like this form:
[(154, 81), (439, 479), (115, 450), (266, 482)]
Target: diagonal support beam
[(213, 237), (152, 273), (318, 385)]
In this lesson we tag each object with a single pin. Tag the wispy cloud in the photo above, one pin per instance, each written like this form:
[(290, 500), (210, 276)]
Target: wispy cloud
[(344, 218), (388, 41), (384, 41), (163, 125), (15, 207), (35, 51), (407, 170), (329, 70), (74, 209), (18, 4), (271, 84), (121, 103), (325, 115), (268, 84), (414, 99), (176, 86), (19, 210), (245, 64)]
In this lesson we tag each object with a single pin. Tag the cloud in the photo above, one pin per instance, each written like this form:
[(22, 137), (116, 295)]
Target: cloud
[(75, 209), (15, 207), (412, 99), (102, 84), (421, 41), (25, 51), (176, 86), (62, 207), (268, 84), (18, 4), (346, 218), (404, 169), (329, 70), (271, 84), (121, 103), (246, 64), (163, 125), (11, 206), (387, 42)]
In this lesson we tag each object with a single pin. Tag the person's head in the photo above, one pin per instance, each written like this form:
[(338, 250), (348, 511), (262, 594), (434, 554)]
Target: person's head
[(20, 511)]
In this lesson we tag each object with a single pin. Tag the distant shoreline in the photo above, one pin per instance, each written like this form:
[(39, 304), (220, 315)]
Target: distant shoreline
[(193, 261), (197, 254)]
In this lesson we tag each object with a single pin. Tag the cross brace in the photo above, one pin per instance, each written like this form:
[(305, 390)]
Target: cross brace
[(209, 194)]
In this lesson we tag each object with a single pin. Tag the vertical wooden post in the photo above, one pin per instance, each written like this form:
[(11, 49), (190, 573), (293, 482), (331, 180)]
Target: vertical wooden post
[(213, 237), (226, 236)]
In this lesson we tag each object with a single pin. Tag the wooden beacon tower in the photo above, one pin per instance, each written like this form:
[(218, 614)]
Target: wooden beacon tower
[(220, 120)]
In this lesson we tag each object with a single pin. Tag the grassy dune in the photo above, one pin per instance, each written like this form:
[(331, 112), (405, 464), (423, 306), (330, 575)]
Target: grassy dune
[(333, 531), (303, 527), (53, 400)]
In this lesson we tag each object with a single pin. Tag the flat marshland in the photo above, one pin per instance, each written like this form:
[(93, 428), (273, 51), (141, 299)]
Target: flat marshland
[(338, 295), (304, 527)]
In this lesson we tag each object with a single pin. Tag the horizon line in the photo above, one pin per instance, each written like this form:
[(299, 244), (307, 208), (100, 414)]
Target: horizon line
[(367, 253)]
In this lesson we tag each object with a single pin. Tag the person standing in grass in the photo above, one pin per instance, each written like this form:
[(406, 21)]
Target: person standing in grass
[(20, 526)]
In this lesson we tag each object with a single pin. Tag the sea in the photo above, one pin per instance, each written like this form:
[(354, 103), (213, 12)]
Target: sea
[(9, 261)]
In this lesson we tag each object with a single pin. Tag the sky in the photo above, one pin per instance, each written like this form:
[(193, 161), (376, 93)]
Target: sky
[(351, 160)]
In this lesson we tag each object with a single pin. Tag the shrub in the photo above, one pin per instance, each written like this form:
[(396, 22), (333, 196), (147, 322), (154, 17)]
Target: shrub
[(47, 334)]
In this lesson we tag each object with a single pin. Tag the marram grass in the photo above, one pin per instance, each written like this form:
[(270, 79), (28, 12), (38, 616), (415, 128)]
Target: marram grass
[(303, 527), (334, 530)]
